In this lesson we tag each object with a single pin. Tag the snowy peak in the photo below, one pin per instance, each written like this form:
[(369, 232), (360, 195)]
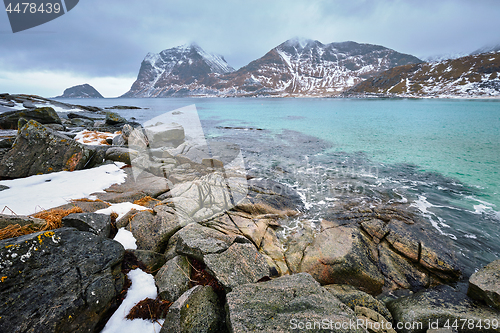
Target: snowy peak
[(177, 66), (311, 68), (469, 76), (297, 67)]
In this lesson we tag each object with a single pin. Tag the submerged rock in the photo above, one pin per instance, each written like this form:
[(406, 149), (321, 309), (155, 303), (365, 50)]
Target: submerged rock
[(58, 281)]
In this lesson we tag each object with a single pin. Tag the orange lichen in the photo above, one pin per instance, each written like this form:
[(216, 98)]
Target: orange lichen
[(145, 201)]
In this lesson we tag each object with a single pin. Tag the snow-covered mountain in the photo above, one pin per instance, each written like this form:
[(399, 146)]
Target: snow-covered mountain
[(178, 71), (310, 68), (294, 68), (471, 76)]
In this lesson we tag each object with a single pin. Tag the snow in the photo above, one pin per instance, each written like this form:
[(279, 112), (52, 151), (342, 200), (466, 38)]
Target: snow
[(121, 209), (143, 286), (35, 193), (126, 238), (93, 138)]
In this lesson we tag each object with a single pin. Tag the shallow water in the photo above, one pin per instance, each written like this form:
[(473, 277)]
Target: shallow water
[(439, 156)]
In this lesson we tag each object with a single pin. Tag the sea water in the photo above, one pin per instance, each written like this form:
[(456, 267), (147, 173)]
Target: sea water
[(439, 156)]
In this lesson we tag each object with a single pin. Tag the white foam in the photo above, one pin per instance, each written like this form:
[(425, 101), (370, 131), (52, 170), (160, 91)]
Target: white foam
[(423, 205)]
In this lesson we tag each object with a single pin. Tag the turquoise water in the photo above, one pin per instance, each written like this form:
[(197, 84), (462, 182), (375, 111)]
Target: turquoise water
[(440, 156)]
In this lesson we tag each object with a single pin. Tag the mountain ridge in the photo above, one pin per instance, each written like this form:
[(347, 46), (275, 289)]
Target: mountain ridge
[(294, 68), (469, 76)]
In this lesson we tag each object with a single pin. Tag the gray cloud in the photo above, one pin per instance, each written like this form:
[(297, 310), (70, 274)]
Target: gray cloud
[(110, 38)]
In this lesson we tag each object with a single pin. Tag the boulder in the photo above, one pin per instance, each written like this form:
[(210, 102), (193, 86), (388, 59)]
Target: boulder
[(288, 303), (353, 297), (371, 247), (239, 264), (113, 118), (58, 281), (120, 154), (45, 115), (485, 284), (165, 135), (6, 220), (7, 142), (198, 310), (152, 231), (269, 197), (38, 149), (153, 260), (135, 187), (341, 255), (197, 241), (373, 321), (173, 279), (99, 224), (118, 140), (441, 307)]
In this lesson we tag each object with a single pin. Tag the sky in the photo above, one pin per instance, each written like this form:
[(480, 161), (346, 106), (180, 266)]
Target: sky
[(103, 42)]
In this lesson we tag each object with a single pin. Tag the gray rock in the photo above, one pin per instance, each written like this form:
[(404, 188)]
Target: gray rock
[(6, 142), (127, 131), (118, 141), (353, 297), (373, 321), (29, 105), (45, 115), (239, 264), (80, 122), (113, 118), (134, 187), (153, 231), (198, 310), (485, 284), (38, 149), (440, 306), (57, 127), (6, 220), (285, 304), (120, 154), (165, 135), (99, 224), (153, 260), (173, 279), (340, 255), (197, 241), (58, 281)]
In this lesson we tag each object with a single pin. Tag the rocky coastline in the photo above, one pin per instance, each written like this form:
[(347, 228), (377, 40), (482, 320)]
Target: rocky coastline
[(211, 237)]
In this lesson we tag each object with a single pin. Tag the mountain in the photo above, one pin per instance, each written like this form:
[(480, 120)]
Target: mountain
[(81, 91), (470, 76), (178, 71), (293, 68)]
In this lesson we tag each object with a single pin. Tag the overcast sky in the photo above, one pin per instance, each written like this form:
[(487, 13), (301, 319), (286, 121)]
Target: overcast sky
[(103, 42)]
